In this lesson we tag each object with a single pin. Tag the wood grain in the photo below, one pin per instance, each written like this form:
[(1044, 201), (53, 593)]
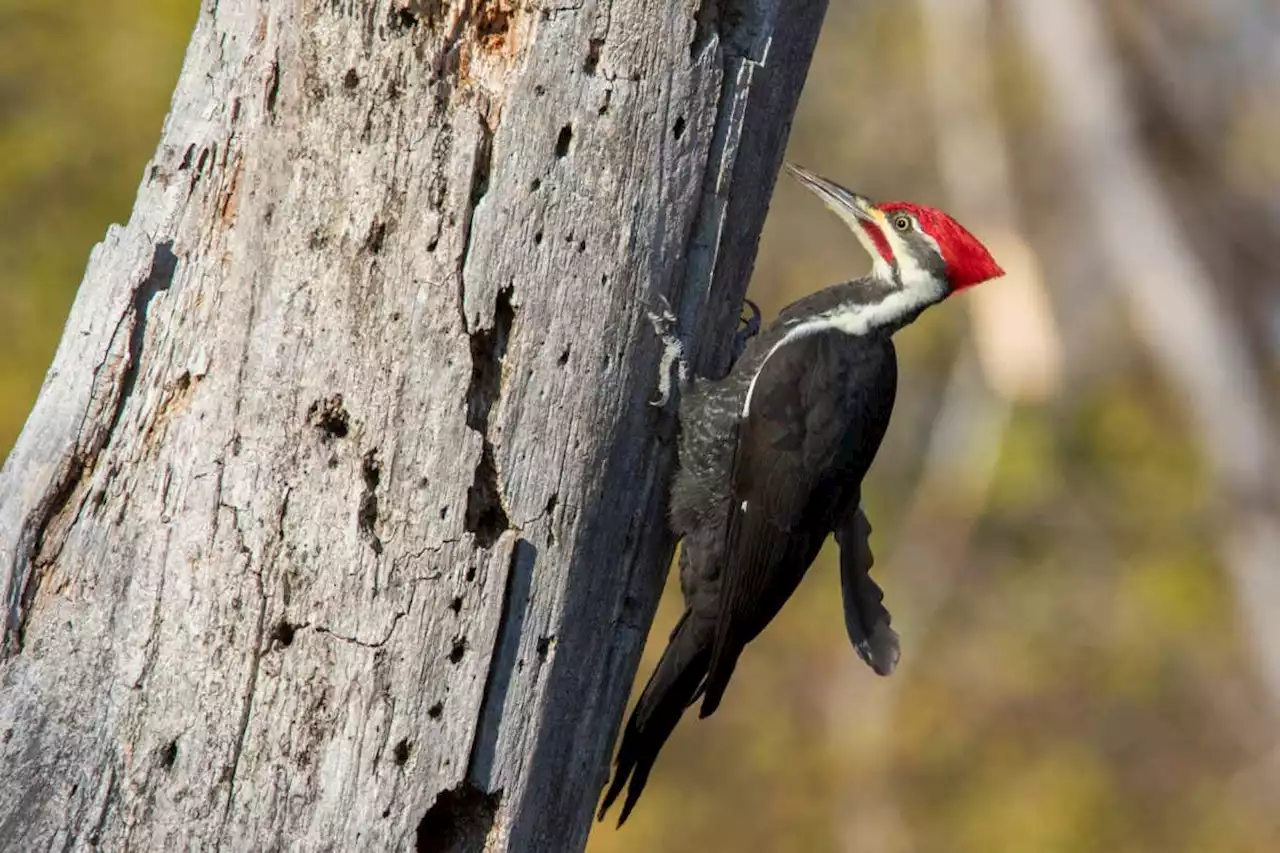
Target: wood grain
[(338, 524)]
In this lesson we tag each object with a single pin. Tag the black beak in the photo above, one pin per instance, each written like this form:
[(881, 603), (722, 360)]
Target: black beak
[(846, 203)]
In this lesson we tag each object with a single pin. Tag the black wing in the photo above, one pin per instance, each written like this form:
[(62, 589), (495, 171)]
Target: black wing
[(819, 409)]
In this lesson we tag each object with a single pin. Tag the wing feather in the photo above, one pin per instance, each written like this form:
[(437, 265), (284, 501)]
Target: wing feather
[(785, 447)]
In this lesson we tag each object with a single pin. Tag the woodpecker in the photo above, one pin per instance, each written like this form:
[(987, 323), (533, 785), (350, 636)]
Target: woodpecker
[(772, 457)]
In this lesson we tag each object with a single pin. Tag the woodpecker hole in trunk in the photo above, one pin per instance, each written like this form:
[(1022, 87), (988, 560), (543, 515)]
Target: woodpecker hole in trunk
[(458, 821), (564, 141), (330, 418)]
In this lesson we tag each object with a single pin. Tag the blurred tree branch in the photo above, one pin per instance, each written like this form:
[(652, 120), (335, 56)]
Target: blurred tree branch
[(1015, 355), (1205, 78), (1174, 305)]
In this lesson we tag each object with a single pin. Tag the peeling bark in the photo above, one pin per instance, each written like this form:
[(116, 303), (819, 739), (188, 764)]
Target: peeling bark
[(338, 522)]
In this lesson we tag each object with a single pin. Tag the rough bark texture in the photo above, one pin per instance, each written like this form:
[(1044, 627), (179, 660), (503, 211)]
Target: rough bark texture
[(338, 524)]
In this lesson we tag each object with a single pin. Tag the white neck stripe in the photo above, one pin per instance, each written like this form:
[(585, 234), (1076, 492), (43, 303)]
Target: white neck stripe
[(857, 319)]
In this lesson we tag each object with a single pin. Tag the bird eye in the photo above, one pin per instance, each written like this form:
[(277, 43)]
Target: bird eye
[(902, 222)]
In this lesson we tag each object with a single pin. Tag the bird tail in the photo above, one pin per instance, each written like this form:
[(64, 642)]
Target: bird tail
[(672, 688)]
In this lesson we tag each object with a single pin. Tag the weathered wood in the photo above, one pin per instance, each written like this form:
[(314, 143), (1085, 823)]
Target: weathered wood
[(338, 522)]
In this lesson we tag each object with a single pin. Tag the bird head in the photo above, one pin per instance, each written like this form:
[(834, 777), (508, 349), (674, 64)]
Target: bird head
[(909, 244)]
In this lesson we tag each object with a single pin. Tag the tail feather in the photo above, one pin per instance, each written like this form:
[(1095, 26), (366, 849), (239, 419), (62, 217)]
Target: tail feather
[(720, 670), (672, 687)]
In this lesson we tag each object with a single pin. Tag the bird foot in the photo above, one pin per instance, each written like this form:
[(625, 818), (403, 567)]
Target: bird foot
[(663, 319), (750, 328)]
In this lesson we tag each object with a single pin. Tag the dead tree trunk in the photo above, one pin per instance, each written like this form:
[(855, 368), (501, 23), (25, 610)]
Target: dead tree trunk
[(338, 523)]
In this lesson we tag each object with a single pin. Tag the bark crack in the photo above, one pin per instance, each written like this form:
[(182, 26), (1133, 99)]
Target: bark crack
[(702, 248), (517, 591), (413, 556), (246, 709), (480, 173), (370, 644), (486, 517), (261, 642), (367, 514), (24, 576), (108, 800), (153, 638), (43, 530), (395, 618)]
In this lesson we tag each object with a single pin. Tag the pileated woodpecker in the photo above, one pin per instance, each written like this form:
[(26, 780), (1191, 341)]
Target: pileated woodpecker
[(772, 456)]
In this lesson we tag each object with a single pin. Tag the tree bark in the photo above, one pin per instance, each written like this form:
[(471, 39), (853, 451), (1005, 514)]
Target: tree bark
[(338, 523)]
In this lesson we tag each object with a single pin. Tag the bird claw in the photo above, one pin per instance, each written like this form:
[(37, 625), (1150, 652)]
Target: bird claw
[(663, 319), (661, 316), (750, 328), (752, 323)]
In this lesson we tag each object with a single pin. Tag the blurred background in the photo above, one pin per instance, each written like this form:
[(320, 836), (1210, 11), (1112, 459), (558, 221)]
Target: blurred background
[(1076, 514)]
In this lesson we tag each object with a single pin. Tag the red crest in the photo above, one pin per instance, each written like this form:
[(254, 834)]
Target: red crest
[(968, 261)]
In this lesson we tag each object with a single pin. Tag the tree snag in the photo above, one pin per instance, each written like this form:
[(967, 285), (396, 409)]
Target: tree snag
[(338, 523)]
